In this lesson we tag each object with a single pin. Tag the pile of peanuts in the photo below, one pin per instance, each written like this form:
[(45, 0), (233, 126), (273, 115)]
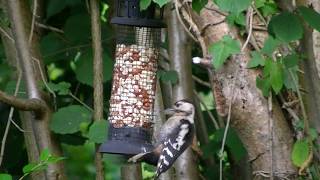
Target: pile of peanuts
[(133, 88)]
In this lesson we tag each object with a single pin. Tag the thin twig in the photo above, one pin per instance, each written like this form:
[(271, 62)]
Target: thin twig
[(176, 3), (200, 81), (213, 119), (271, 133), (5, 135), (6, 34), (35, 3), (249, 23), (225, 135), (79, 101), (43, 78), (54, 29)]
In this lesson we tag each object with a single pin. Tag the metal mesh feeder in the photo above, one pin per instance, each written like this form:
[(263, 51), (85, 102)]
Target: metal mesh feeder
[(134, 79)]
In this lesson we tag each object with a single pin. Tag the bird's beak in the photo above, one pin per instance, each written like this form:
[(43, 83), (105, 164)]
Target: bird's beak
[(169, 111)]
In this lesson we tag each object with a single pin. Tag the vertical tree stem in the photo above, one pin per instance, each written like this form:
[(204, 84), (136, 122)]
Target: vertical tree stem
[(97, 77)]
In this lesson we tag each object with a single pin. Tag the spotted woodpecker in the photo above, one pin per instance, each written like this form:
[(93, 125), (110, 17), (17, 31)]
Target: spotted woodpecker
[(173, 138)]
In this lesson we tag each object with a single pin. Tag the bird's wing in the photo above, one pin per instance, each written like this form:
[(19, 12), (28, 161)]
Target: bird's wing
[(174, 145)]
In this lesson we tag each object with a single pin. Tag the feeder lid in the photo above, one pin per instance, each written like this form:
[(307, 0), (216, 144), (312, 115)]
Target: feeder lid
[(128, 13), (153, 23)]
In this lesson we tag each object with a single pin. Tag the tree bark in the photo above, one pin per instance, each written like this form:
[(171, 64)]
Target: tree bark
[(180, 55), (250, 114), (97, 78), (32, 68), (131, 172)]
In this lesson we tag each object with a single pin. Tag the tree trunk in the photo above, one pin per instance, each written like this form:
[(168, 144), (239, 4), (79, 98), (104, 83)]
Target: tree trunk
[(32, 69), (250, 115), (180, 56)]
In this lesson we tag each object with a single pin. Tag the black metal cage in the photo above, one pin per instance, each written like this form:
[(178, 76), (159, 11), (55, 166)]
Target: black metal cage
[(134, 78)]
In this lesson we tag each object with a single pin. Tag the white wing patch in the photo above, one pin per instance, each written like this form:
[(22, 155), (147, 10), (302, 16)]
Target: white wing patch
[(179, 140)]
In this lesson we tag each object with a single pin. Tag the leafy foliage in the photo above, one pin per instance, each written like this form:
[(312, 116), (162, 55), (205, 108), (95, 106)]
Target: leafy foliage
[(144, 4), (98, 131), (300, 152), (68, 119), (286, 27), (223, 49), (310, 16), (197, 5), (170, 76), (5, 177), (234, 6)]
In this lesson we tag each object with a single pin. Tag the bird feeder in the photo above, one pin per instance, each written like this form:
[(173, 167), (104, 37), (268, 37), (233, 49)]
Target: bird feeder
[(138, 35)]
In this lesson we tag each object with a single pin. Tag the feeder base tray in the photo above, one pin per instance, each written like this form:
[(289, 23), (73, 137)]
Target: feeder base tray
[(124, 147)]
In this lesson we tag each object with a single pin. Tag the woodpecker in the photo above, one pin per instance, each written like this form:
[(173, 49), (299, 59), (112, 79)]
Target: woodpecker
[(173, 138)]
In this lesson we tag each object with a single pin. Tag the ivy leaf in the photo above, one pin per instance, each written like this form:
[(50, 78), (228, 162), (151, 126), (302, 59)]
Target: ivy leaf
[(45, 154), (161, 2), (98, 131), (84, 68), (144, 4), (288, 80), (300, 152), (63, 88), (286, 27), (268, 9), (29, 168), (270, 45), (55, 7), (5, 177), (310, 16), (256, 60), (275, 72), (197, 5), (233, 6), (239, 19), (67, 120), (77, 28), (263, 85), (291, 60), (221, 50)]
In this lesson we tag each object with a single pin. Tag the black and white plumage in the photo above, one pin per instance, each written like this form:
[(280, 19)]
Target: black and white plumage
[(173, 138)]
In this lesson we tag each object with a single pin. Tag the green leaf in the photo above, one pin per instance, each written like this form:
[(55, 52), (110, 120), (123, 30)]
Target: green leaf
[(276, 77), (98, 131), (169, 76), (300, 152), (77, 28), (256, 60), (29, 168), (269, 9), (259, 3), (223, 49), (310, 16), (53, 159), (263, 85), (288, 80), (5, 177), (286, 27), (84, 68), (11, 86), (45, 154), (161, 2), (63, 88), (144, 4), (67, 120), (270, 45), (55, 7), (275, 72), (197, 5), (239, 19), (291, 60), (233, 143), (233, 6)]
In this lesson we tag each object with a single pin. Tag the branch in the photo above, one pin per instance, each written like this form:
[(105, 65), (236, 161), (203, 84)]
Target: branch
[(33, 104)]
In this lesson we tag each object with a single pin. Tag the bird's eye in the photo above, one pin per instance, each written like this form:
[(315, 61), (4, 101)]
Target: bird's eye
[(177, 104)]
